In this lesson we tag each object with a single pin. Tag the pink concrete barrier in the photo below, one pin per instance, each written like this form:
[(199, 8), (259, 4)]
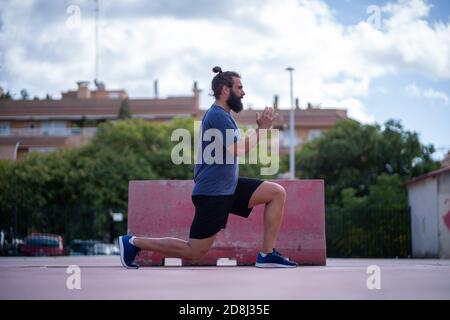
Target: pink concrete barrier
[(163, 208)]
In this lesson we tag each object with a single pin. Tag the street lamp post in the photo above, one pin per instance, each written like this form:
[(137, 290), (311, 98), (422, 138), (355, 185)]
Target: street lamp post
[(292, 130)]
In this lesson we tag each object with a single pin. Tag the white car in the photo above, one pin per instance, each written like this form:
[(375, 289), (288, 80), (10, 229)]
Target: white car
[(105, 249)]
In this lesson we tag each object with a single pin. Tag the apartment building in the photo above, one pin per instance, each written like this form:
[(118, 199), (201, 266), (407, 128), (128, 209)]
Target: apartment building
[(310, 123), (46, 125)]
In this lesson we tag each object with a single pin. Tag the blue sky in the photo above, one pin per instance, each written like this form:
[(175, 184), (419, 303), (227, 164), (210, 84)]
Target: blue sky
[(395, 67), (353, 11), (430, 118)]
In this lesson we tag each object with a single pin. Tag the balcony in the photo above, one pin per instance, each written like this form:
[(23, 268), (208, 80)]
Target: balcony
[(48, 132)]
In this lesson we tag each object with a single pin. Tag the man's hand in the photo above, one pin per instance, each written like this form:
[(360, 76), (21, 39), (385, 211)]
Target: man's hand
[(266, 118), (245, 145)]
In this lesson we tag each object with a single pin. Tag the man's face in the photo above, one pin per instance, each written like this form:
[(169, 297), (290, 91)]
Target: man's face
[(235, 96)]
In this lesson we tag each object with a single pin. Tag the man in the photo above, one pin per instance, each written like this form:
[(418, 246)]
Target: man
[(219, 190)]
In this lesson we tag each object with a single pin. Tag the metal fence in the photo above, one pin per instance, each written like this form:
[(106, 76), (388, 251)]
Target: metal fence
[(58, 230), (368, 233)]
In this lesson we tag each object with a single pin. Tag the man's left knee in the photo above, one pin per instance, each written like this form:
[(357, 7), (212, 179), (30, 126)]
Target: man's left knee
[(279, 192)]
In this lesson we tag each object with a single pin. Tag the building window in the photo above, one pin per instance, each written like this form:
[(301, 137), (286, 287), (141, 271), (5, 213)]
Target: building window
[(314, 134), (42, 149), (53, 128), (285, 138), (113, 95), (5, 129)]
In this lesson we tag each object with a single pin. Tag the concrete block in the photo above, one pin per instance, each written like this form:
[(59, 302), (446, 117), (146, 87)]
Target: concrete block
[(163, 208)]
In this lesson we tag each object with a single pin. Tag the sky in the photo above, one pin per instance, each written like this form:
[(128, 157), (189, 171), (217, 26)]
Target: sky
[(380, 60)]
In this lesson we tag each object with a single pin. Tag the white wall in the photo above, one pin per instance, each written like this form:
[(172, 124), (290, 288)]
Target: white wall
[(422, 197)]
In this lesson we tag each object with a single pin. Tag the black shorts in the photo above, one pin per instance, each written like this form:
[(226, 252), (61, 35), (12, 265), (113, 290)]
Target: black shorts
[(211, 212)]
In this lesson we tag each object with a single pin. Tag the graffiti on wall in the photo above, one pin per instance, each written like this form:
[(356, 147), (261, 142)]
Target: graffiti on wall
[(446, 217)]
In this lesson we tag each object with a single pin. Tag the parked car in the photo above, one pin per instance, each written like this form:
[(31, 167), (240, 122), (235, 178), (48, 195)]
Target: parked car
[(106, 249), (80, 247), (9, 246), (42, 244)]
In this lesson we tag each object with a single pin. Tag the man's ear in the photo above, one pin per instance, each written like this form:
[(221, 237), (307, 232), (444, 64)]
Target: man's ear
[(225, 90)]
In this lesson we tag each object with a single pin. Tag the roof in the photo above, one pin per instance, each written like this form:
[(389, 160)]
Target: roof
[(74, 109), (49, 141), (311, 118), (106, 109), (431, 174)]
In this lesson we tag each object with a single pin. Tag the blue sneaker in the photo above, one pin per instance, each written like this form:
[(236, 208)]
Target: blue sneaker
[(128, 252), (274, 260)]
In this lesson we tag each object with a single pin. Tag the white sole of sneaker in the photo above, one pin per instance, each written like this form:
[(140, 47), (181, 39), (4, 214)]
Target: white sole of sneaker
[(272, 265), (122, 253)]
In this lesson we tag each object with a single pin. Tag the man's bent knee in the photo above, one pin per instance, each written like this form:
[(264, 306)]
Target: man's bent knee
[(198, 248), (279, 192), (198, 254)]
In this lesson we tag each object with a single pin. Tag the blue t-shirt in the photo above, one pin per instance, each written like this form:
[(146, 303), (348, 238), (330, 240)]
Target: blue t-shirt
[(216, 169)]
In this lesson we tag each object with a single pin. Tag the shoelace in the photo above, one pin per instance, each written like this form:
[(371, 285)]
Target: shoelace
[(275, 252)]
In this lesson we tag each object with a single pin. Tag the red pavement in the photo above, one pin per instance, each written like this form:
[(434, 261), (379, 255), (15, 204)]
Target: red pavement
[(105, 278)]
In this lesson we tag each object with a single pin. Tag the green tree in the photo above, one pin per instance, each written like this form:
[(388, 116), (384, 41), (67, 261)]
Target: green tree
[(388, 191), (353, 155), (72, 191), (24, 94), (124, 110), (374, 225), (364, 168), (6, 96)]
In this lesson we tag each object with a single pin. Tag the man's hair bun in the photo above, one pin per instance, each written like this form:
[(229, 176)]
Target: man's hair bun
[(217, 70), (222, 79)]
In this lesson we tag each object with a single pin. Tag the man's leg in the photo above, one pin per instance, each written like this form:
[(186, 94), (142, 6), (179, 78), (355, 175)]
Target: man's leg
[(273, 196), (194, 249)]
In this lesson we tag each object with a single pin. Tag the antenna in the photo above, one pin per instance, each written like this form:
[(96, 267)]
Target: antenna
[(96, 40)]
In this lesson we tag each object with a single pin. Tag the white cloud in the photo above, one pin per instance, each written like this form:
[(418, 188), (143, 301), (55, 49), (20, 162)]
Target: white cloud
[(335, 64), (413, 90), (355, 109), (434, 94), (406, 11), (406, 41)]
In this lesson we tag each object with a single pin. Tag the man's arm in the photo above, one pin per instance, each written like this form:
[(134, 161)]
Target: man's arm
[(245, 145)]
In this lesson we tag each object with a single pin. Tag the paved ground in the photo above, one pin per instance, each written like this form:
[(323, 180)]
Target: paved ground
[(104, 278)]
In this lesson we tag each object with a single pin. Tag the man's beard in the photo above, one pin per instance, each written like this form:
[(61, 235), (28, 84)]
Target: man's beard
[(235, 102)]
